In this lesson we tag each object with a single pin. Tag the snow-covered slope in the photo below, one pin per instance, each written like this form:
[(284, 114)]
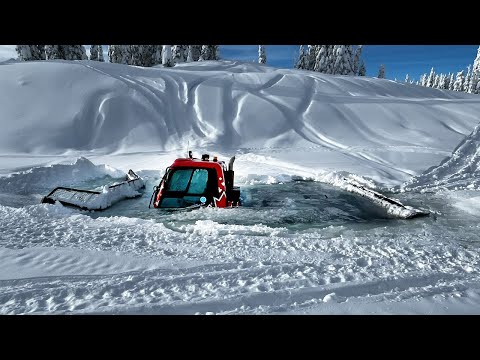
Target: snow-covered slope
[(378, 128), (459, 171)]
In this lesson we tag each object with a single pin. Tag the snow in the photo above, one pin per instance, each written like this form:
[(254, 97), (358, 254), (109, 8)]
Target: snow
[(301, 244)]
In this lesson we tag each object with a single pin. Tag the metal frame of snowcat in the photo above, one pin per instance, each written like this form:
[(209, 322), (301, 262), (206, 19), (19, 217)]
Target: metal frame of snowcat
[(131, 178)]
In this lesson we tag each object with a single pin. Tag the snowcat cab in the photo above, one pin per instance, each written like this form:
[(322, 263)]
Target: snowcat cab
[(191, 182)]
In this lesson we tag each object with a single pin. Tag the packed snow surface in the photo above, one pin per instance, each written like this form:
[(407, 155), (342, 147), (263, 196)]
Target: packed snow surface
[(302, 243)]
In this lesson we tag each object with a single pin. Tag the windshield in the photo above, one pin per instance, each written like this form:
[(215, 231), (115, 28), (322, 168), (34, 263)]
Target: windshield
[(185, 187)]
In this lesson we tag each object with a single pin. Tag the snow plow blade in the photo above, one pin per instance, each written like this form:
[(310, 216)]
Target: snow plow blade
[(394, 207), (97, 200)]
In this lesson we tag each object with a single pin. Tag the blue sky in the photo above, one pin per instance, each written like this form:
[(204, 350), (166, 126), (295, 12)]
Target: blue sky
[(398, 59)]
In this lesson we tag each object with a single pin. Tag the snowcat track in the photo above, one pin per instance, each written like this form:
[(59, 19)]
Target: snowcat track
[(381, 197), (56, 194)]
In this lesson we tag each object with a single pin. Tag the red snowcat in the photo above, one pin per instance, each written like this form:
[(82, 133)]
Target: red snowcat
[(191, 182)]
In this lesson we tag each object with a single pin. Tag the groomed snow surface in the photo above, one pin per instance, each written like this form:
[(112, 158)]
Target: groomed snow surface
[(301, 244)]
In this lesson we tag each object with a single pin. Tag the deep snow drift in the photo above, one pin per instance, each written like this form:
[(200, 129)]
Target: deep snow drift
[(299, 245), (378, 128), (460, 171)]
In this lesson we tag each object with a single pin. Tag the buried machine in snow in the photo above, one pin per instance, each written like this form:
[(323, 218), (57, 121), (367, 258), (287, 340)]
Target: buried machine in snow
[(197, 182), (191, 183)]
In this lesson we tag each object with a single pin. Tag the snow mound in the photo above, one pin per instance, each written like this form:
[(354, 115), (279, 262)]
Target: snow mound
[(387, 127), (460, 171), (48, 177)]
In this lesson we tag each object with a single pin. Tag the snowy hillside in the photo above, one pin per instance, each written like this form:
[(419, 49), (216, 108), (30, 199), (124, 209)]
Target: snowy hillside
[(295, 246), (459, 171), (372, 127)]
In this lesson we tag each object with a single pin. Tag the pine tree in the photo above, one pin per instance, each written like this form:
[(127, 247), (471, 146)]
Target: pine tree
[(196, 52), (451, 83), (262, 56), (311, 57), (100, 53), (205, 54), (423, 80), (472, 86), (381, 72), (157, 57), (189, 54), (361, 70), (167, 59), (94, 52), (459, 81), (407, 79), (24, 52), (436, 81), (115, 54), (215, 52), (446, 85), (53, 52), (74, 52), (467, 79), (431, 78), (441, 81), (356, 61), (331, 59), (347, 60), (136, 55), (320, 59), (302, 61), (38, 52), (476, 63), (179, 53)]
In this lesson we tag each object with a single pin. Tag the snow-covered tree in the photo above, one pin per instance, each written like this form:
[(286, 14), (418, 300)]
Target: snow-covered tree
[(343, 60), (321, 60), (262, 56), (189, 54), (407, 79), (459, 81), (451, 82), (24, 52), (356, 60), (381, 72), (167, 59), (157, 57), (423, 80), (196, 52), (441, 81), (136, 55), (100, 53), (115, 54), (472, 87), (205, 54), (311, 56), (215, 52), (74, 52), (302, 61), (361, 70), (446, 84), (179, 53), (468, 78), (436, 81), (476, 63), (94, 52), (38, 52), (53, 52), (431, 78)]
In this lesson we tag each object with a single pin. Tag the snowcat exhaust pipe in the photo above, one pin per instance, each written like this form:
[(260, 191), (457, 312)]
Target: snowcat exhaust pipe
[(230, 164)]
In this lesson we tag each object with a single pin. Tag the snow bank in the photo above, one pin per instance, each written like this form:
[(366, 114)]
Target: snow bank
[(460, 171), (48, 177), (372, 127)]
